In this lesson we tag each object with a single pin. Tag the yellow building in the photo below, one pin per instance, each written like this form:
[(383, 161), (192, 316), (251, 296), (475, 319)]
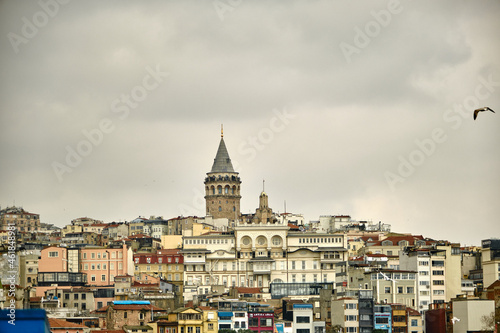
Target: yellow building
[(188, 320), (210, 319), (167, 264)]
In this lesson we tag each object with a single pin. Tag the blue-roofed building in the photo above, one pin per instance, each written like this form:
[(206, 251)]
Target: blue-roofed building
[(303, 318), (233, 314)]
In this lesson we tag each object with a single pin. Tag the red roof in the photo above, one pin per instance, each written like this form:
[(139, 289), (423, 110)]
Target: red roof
[(131, 307), (206, 308), (60, 323), (412, 312), (139, 236), (247, 290)]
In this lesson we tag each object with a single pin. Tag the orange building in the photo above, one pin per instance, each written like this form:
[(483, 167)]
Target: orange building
[(53, 259)]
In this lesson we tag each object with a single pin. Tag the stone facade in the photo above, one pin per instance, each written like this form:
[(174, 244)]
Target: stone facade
[(23, 220), (222, 187)]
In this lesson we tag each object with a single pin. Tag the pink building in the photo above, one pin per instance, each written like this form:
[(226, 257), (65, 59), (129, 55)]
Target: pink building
[(102, 264), (53, 259)]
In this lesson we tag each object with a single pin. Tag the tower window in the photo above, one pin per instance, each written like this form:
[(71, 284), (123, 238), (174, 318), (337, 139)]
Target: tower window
[(220, 208)]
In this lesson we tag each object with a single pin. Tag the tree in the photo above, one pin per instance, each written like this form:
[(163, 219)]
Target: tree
[(488, 322), (337, 329)]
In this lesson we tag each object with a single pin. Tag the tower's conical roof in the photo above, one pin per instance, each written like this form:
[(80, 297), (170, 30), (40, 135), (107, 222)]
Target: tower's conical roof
[(222, 162)]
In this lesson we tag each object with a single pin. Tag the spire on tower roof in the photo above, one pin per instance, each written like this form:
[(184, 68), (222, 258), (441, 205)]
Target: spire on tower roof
[(222, 162)]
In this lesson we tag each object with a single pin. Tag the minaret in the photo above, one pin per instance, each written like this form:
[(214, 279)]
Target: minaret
[(222, 186)]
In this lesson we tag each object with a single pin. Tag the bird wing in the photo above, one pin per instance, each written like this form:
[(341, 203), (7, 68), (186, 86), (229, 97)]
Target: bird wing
[(491, 110), (475, 113)]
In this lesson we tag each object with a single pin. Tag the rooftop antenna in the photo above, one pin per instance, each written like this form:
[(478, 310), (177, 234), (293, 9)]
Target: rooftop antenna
[(285, 206), (263, 185)]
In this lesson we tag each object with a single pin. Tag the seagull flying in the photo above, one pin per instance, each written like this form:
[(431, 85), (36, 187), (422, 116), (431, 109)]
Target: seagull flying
[(386, 277), (482, 109)]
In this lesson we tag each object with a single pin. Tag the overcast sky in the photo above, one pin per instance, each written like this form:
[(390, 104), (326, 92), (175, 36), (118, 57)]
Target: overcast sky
[(112, 110)]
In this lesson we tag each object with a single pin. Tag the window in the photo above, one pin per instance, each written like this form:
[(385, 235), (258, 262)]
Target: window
[(440, 272), (300, 320), (350, 306), (387, 290), (75, 296), (125, 314), (268, 322), (414, 322), (438, 282), (382, 320), (438, 263), (53, 254), (400, 290), (92, 278), (351, 318), (103, 277)]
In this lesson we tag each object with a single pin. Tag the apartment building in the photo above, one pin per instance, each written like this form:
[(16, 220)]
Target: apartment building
[(53, 259), (28, 268), (188, 320), (22, 220), (438, 273), (346, 314), (102, 264), (210, 319), (302, 318), (166, 263), (490, 250), (233, 314), (382, 315)]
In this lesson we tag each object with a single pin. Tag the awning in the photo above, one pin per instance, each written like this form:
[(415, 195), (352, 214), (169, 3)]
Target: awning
[(225, 314)]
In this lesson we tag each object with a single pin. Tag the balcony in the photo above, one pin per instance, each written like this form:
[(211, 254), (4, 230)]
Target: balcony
[(194, 259)]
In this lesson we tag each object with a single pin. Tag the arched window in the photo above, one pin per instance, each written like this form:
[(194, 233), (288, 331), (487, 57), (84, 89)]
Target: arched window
[(220, 208), (219, 189)]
